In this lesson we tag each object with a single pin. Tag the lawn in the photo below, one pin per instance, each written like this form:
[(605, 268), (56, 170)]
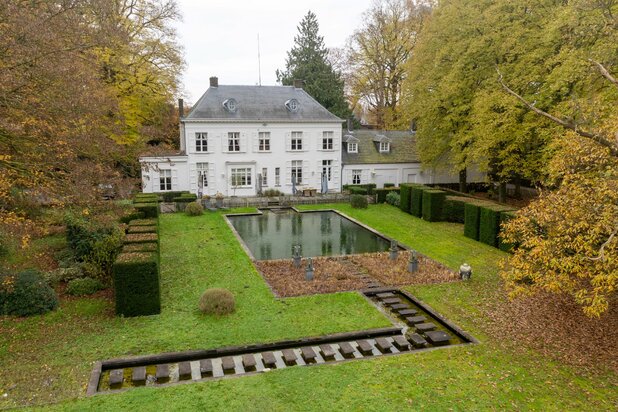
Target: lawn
[(48, 357)]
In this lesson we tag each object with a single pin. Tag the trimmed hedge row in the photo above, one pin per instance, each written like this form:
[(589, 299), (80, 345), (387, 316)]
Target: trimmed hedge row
[(369, 189), (186, 198), (405, 191), (148, 210), (433, 202), (416, 200), (454, 208), (170, 196), (136, 284), (489, 223), (382, 193)]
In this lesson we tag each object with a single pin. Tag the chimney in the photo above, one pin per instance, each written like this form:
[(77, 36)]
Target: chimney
[(214, 81), (299, 84), (181, 109), (350, 124)]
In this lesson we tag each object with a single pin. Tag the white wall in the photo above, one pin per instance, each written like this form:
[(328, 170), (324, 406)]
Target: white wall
[(220, 161), (151, 167)]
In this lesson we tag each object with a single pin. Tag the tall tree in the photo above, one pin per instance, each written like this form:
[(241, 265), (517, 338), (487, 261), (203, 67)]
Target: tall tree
[(308, 61), (377, 54)]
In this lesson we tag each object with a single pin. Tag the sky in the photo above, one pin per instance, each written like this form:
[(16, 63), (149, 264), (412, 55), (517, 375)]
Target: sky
[(220, 36)]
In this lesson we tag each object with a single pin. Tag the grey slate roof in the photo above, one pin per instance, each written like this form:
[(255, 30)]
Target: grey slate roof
[(261, 103), (402, 147)]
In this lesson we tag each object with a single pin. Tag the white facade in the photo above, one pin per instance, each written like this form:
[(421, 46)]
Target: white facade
[(230, 157)]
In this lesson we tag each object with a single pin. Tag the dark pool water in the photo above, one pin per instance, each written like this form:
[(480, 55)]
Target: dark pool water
[(273, 234)]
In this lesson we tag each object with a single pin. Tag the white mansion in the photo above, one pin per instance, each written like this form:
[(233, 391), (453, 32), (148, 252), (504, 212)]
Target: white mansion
[(238, 140)]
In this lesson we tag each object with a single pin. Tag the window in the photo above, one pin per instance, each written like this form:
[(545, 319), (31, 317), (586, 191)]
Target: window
[(264, 138), (327, 140), (297, 140), (352, 147), (297, 171), (230, 105), (384, 147), (327, 168), (202, 175), (165, 179), (233, 142), (201, 142), (356, 176), (292, 105), (277, 176), (264, 176), (241, 177)]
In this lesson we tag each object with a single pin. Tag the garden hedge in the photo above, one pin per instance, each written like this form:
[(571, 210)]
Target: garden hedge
[(381, 193), (141, 238), (404, 193), (454, 208), (471, 220), (389, 185), (433, 202), (489, 223), (186, 198), (131, 215), (144, 222), (369, 187), (416, 200), (505, 217), (357, 190), (136, 284), (140, 247), (169, 196), (142, 229), (148, 209)]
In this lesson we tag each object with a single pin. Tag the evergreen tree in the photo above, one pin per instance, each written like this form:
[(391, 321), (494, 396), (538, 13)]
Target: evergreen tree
[(308, 61)]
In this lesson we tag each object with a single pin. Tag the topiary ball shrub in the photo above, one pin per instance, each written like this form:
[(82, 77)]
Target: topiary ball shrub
[(217, 302), (26, 294), (194, 209), (83, 286), (358, 201)]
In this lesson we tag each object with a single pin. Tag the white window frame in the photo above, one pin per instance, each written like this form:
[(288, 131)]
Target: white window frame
[(264, 141), (201, 141), (242, 173), (327, 168), (265, 176), (357, 176), (328, 139), (233, 142), (296, 141), (277, 176), (297, 171), (202, 173), (165, 180), (384, 147), (352, 147)]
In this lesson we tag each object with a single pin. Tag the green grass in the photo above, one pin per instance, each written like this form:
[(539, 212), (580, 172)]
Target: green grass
[(490, 376)]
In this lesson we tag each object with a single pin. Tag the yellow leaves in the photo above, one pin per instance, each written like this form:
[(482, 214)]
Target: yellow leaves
[(25, 241)]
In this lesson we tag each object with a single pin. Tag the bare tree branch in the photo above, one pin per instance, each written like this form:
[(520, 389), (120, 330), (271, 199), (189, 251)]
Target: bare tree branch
[(567, 124), (604, 72), (601, 256)]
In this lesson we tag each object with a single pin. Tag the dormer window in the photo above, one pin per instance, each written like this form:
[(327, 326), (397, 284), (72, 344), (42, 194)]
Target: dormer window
[(292, 105), (384, 147), (230, 105), (352, 147)]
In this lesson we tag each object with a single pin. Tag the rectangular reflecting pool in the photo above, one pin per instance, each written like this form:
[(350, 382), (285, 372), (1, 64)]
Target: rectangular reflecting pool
[(272, 235)]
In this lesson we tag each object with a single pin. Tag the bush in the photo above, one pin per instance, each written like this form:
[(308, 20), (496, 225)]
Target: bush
[(169, 196), (148, 209), (104, 252), (83, 286), (145, 197), (382, 193), (5, 245), (131, 215), (25, 294), (357, 190), (143, 222), (64, 274), (272, 193), (416, 200), (505, 217), (186, 198), (404, 197), (471, 220), (141, 238), (489, 223), (217, 302), (433, 201), (136, 284), (389, 185), (393, 198), (142, 229), (358, 201), (140, 247), (194, 209), (454, 208)]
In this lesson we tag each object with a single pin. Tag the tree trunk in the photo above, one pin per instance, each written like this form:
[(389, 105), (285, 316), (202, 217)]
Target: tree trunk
[(517, 187), (463, 180), (502, 192)]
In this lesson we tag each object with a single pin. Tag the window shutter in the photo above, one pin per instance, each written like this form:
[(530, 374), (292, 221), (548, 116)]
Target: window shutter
[(192, 177), (365, 176), (224, 146), (288, 142), (212, 184), (336, 142), (243, 142), (288, 173), (256, 142), (306, 171), (335, 168), (174, 179)]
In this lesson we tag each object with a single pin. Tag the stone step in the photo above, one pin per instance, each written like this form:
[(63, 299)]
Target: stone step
[(308, 354), (417, 340), (383, 345), (400, 306), (438, 337), (248, 361), (138, 376), (289, 357), (407, 312), (346, 349), (206, 367), (401, 343), (413, 320), (327, 351), (424, 327), (184, 371), (373, 285), (228, 365), (116, 376), (162, 373), (391, 301), (365, 347), (385, 295), (269, 360)]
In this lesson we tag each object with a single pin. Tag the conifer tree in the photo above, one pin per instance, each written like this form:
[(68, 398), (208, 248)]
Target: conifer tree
[(308, 61)]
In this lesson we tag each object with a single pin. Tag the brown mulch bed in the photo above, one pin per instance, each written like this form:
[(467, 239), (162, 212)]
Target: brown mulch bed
[(384, 270), (343, 273), (557, 328)]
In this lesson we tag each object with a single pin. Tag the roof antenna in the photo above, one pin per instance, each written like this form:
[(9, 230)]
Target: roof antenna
[(259, 62)]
